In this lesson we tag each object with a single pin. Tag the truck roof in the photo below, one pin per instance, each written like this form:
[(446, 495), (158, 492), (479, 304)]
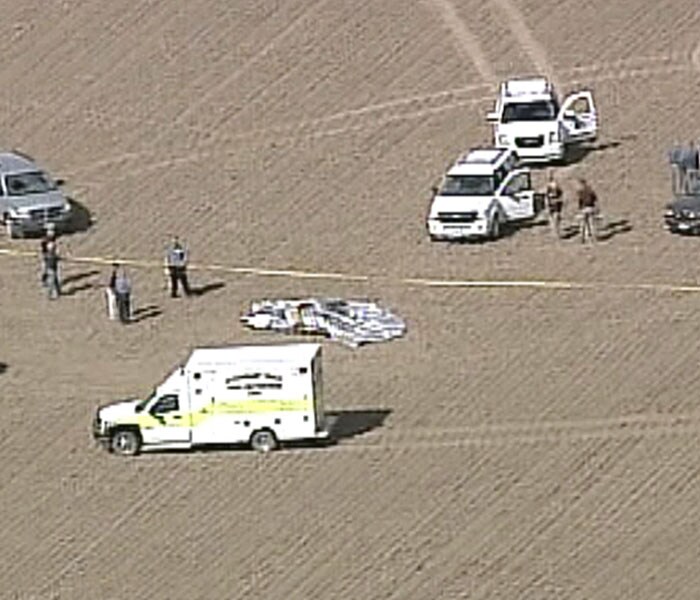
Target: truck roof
[(480, 161), (284, 353), (12, 162), (527, 90)]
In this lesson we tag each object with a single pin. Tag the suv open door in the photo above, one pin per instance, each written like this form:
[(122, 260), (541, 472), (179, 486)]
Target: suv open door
[(517, 196), (579, 118)]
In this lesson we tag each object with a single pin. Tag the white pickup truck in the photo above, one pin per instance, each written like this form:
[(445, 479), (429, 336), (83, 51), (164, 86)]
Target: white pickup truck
[(528, 119), (483, 191)]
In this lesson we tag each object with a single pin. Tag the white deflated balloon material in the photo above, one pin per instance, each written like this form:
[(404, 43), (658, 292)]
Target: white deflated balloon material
[(351, 322)]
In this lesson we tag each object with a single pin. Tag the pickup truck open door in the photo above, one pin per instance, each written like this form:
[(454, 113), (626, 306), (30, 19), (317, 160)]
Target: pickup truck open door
[(579, 118)]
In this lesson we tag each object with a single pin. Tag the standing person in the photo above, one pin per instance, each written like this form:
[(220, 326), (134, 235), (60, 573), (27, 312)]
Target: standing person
[(49, 236), (122, 292), (675, 159), (692, 163), (176, 259), (110, 294), (51, 278), (554, 197), (588, 207)]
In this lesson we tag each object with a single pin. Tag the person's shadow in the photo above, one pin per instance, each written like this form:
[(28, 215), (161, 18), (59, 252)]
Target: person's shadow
[(205, 289), (150, 311)]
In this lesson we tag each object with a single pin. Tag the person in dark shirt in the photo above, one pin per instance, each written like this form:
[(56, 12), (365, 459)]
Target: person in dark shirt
[(588, 210), (51, 260)]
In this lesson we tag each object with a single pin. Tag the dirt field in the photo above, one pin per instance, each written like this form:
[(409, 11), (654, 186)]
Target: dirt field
[(518, 443)]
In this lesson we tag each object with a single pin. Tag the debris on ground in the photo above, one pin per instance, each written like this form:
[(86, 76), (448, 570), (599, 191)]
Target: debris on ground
[(351, 322)]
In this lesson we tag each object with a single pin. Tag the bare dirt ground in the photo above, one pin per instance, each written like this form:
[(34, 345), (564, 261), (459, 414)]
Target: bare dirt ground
[(518, 443)]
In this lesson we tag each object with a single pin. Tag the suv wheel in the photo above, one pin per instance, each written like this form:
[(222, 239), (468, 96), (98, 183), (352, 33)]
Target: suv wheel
[(496, 227)]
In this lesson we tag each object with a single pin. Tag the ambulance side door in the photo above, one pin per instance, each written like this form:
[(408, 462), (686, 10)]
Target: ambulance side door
[(167, 421)]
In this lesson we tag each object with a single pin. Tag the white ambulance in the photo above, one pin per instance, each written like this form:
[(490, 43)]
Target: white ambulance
[(256, 395), (480, 194), (528, 119)]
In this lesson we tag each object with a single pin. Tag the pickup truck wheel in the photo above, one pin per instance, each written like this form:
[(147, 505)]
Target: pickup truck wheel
[(125, 442), (263, 440)]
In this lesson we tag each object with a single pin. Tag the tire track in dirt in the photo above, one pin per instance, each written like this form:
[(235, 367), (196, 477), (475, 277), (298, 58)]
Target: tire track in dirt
[(290, 27), (466, 43), (527, 40), (50, 582), (626, 493), (695, 58), (557, 432), (627, 69), (525, 533)]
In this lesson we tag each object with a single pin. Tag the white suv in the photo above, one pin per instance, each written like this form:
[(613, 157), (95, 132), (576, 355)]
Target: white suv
[(529, 119), (483, 191)]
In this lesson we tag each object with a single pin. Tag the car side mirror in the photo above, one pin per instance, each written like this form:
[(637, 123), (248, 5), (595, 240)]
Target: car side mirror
[(492, 117), (434, 189), (569, 114)]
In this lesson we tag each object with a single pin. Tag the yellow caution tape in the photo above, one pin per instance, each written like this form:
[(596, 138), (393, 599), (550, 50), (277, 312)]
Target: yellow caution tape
[(415, 282)]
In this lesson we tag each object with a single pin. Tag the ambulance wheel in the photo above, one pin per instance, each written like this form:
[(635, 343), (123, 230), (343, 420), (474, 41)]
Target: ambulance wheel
[(125, 442), (263, 440)]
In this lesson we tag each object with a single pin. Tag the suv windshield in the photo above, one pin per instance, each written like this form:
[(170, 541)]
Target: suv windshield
[(468, 185), (542, 110), (22, 184)]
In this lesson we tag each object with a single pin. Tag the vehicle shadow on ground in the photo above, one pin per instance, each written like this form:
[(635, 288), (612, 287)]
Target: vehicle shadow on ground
[(205, 289), (81, 220), (3, 367), (576, 153), (343, 424), (151, 311)]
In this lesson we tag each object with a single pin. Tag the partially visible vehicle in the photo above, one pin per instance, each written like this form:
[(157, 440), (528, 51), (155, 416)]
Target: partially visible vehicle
[(256, 395), (481, 193), (682, 215), (529, 119), (30, 199)]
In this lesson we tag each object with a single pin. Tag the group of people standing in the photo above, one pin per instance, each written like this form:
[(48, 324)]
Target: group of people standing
[(119, 288), (587, 202), (685, 163)]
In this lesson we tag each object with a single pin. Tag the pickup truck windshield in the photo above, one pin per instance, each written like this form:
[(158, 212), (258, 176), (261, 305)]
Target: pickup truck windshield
[(22, 184), (467, 185), (542, 110)]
